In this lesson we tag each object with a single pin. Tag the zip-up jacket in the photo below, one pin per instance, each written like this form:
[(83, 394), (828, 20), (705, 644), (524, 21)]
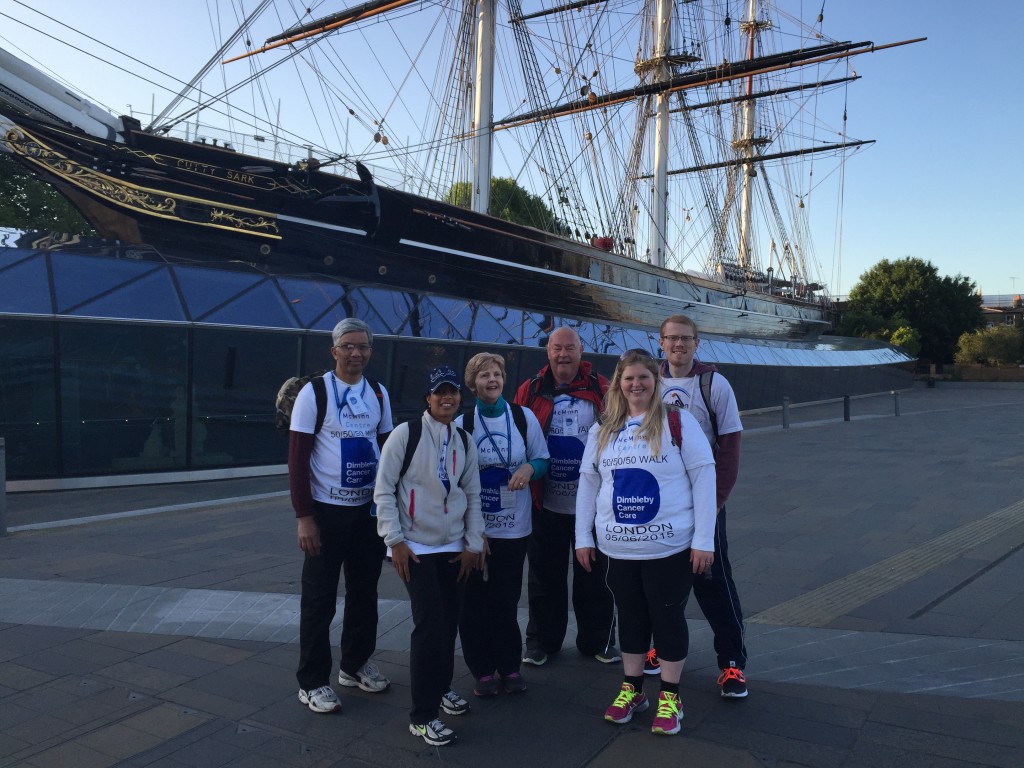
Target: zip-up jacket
[(538, 394), (416, 508)]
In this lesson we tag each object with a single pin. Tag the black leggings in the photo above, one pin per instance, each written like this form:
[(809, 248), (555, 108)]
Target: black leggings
[(650, 596)]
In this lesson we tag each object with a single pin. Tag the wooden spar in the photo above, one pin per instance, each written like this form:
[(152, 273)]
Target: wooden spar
[(763, 94), (358, 14), (773, 156), (560, 9), (687, 84)]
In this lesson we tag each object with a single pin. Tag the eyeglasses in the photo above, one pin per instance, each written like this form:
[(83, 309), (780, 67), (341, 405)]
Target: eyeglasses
[(348, 349), (677, 339), (637, 352)]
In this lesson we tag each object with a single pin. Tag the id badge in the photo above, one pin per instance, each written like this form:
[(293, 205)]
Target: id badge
[(356, 404), (508, 498)]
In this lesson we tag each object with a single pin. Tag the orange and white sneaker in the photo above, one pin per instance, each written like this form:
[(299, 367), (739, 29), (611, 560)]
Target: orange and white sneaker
[(670, 713), (626, 703), (734, 684), (652, 666)]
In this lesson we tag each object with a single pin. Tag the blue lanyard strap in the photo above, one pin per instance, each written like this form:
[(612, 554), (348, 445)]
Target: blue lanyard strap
[(340, 401), (508, 431)]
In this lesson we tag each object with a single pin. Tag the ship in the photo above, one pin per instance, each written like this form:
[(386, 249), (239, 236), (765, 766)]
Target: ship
[(608, 262)]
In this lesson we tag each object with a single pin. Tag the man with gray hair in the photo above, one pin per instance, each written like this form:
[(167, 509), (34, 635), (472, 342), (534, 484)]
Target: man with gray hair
[(338, 424)]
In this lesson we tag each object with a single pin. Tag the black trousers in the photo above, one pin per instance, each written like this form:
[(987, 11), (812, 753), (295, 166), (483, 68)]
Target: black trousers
[(348, 538), (716, 595), (551, 547), (651, 597), (488, 623), (434, 594)]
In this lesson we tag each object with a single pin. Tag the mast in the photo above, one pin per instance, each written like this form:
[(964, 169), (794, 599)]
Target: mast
[(746, 145), (483, 106), (659, 190)]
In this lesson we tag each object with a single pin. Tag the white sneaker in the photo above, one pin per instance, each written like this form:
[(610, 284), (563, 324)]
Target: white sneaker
[(322, 699), (435, 733), (367, 678), (453, 704)]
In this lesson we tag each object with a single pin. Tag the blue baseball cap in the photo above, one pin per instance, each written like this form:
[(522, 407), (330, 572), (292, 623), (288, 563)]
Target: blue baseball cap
[(442, 374)]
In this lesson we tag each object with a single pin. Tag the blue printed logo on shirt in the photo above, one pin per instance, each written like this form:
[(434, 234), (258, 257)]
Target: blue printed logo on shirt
[(636, 498)]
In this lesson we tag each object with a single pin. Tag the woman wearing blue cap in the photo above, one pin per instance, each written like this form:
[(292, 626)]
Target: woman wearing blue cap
[(428, 513)]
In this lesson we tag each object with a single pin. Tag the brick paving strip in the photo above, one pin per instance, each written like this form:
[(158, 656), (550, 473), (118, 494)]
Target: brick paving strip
[(821, 606)]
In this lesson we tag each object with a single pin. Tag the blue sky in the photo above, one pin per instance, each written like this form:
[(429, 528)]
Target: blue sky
[(937, 185)]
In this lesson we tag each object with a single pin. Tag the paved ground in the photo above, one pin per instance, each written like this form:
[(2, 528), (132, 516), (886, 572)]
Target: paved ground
[(879, 563)]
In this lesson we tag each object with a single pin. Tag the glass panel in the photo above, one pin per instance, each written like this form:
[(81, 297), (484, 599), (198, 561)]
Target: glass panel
[(122, 397), (483, 327), (78, 279), (638, 340), (153, 297), (236, 376), (10, 256), (310, 300), (25, 286), (28, 399), (385, 311), (511, 321), (263, 306), (407, 379), (206, 289), (536, 329), (436, 319)]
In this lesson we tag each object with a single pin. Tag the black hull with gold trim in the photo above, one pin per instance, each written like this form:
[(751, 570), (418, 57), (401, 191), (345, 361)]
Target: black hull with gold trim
[(198, 201)]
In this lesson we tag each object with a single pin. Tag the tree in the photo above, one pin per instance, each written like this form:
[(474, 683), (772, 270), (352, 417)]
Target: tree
[(510, 202), (908, 338), (910, 293), (28, 203), (991, 346)]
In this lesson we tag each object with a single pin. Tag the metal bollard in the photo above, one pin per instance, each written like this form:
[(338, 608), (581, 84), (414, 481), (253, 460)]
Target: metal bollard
[(785, 413), (846, 407), (3, 487), (896, 401)]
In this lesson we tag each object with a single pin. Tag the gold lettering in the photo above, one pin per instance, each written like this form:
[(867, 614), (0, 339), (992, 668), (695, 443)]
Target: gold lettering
[(243, 178)]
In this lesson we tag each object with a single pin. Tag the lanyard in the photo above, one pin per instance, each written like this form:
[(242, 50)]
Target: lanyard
[(442, 469), (508, 431), (342, 401)]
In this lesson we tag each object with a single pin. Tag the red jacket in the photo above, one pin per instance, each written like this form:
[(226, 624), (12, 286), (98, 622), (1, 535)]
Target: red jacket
[(538, 394)]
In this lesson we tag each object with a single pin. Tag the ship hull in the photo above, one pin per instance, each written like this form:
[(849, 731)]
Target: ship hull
[(201, 201)]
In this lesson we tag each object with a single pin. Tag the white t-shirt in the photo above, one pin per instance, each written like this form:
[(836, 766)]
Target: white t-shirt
[(686, 394), (567, 437), (648, 505), (507, 514), (343, 465)]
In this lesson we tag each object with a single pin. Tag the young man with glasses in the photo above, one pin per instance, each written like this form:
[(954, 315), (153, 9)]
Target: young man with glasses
[(682, 376), (567, 397), (331, 469)]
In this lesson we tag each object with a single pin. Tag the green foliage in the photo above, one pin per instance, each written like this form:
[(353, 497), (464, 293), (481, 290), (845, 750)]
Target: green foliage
[(908, 338), (910, 293), (992, 346), (510, 202), (28, 203)]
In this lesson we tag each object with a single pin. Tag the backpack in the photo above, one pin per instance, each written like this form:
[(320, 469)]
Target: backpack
[(675, 426), (518, 418), (415, 431), (284, 403), (705, 393)]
